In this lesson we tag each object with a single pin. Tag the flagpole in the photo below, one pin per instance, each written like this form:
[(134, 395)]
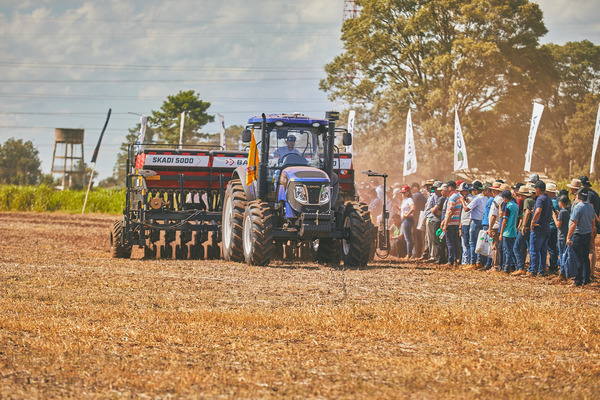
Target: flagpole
[(94, 158), (89, 187)]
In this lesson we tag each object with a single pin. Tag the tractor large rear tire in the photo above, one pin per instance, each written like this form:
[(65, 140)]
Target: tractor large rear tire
[(257, 233), (233, 212), (117, 248), (357, 246)]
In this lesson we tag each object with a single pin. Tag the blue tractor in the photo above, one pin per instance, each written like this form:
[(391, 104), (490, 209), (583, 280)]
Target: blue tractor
[(297, 191)]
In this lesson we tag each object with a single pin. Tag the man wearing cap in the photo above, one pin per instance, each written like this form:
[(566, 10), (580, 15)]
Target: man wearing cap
[(523, 230), (430, 253), (540, 230), (486, 262), (437, 214), (508, 229), (553, 237), (580, 234), (288, 148), (594, 200), (477, 208), (465, 222), (495, 218), (451, 223)]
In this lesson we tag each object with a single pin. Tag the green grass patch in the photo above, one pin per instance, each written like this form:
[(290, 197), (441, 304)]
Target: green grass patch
[(44, 199)]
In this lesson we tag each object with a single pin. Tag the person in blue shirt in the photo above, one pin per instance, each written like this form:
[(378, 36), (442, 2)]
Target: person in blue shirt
[(561, 220), (540, 230), (582, 224), (553, 236), (508, 230), (477, 209)]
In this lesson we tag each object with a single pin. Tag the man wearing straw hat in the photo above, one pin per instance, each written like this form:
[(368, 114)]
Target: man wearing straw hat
[(495, 218), (579, 235), (594, 200), (523, 230)]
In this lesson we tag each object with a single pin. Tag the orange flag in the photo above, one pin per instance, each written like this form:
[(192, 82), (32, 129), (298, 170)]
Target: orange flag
[(252, 161)]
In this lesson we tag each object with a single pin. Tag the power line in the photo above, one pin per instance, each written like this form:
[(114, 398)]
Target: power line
[(172, 35), (153, 80), (136, 67), (144, 98)]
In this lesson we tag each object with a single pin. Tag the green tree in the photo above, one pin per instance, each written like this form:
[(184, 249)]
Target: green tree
[(564, 134), (435, 56), (167, 120), (19, 163), (120, 168), (233, 137)]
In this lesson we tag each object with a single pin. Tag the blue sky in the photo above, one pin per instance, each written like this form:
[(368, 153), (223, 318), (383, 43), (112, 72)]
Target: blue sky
[(65, 63)]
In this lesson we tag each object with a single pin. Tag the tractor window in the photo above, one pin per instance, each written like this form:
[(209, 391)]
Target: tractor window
[(298, 140)]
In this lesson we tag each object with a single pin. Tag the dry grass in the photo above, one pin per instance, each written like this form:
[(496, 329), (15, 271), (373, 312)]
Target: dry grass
[(77, 324)]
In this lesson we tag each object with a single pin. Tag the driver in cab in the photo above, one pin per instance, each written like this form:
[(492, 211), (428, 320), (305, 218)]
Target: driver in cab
[(288, 149)]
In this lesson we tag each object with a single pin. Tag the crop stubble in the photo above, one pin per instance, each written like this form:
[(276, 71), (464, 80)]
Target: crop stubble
[(76, 323)]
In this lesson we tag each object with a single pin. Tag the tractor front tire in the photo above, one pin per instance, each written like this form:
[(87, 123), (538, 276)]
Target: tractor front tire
[(327, 251), (356, 247), (118, 249), (257, 234), (233, 211)]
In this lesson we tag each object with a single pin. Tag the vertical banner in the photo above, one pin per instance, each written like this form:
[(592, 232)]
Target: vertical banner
[(142, 135), (595, 146), (460, 149), (535, 122), (181, 129), (410, 157), (351, 116), (223, 142)]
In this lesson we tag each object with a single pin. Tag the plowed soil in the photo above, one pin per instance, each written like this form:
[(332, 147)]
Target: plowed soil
[(75, 323)]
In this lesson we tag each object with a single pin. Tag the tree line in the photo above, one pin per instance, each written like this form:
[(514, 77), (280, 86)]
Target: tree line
[(482, 57)]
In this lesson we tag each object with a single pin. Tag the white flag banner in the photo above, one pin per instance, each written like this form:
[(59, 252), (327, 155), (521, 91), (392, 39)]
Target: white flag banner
[(410, 157), (181, 129), (460, 149), (595, 146), (351, 116), (538, 109), (222, 131), (142, 134)]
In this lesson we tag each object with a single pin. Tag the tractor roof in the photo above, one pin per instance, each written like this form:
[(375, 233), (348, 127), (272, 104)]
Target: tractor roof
[(289, 119)]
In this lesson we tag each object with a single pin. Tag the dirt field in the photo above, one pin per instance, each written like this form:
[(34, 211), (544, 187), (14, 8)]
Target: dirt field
[(76, 324)]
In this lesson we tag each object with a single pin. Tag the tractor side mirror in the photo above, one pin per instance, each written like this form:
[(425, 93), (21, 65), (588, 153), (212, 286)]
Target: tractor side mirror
[(347, 139), (246, 136)]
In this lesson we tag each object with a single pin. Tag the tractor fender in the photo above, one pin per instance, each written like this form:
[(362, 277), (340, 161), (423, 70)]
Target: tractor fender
[(240, 173)]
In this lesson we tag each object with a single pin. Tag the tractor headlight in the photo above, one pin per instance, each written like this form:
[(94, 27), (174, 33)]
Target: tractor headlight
[(325, 196), (300, 194)]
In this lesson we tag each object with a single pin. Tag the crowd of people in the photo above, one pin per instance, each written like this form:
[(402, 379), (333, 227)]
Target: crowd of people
[(493, 227)]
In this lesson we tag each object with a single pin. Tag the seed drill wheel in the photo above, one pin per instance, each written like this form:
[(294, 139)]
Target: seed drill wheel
[(181, 252), (233, 211), (257, 234), (166, 251), (357, 246), (150, 251), (117, 248)]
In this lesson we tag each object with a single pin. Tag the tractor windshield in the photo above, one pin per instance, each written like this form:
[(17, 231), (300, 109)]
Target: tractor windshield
[(299, 140)]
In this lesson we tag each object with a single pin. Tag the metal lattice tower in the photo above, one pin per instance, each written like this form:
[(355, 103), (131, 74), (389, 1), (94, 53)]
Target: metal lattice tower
[(351, 10)]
